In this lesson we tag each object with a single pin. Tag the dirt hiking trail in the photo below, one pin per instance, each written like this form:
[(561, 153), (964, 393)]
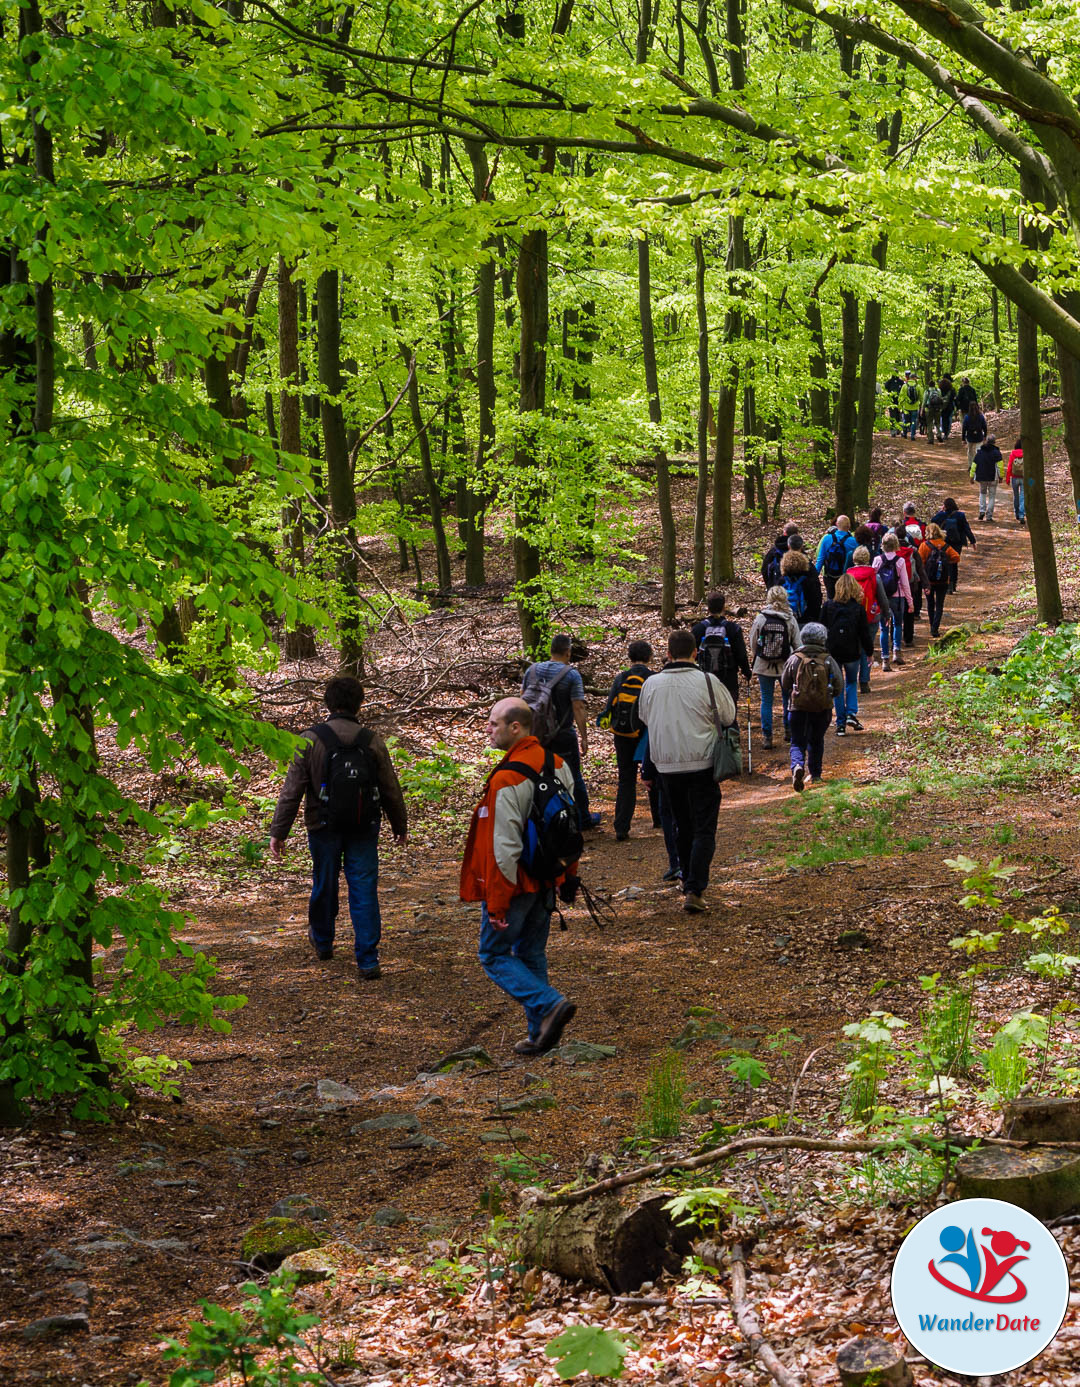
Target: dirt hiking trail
[(149, 1213)]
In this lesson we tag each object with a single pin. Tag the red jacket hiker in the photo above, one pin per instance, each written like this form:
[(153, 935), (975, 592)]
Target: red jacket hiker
[(491, 870)]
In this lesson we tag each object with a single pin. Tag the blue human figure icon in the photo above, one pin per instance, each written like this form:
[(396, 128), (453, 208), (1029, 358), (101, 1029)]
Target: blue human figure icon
[(953, 1240)]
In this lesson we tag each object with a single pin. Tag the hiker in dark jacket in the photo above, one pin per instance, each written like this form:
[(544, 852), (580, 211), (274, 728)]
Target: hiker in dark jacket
[(799, 579), (939, 558), (331, 847), (956, 531), (621, 710), (812, 681), (974, 430), (728, 660), (966, 396), (892, 389), (986, 470), (948, 403), (770, 563), (849, 641)]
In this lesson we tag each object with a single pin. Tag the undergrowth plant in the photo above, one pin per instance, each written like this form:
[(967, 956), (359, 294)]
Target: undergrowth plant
[(873, 1054), (663, 1102)]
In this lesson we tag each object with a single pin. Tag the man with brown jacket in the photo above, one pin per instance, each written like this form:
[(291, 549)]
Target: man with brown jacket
[(345, 772)]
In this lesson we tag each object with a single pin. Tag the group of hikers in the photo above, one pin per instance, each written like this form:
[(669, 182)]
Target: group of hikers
[(822, 622), (931, 411)]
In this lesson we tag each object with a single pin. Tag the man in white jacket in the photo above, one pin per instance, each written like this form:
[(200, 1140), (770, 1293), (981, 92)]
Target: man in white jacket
[(676, 708)]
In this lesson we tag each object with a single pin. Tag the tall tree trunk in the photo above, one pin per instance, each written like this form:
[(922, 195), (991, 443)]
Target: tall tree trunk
[(722, 567), (300, 642), (423, 438), (339, 479), (995, 310), (845, 408), (1043, 555), (701, 497), (1069, 369), (485, 378), (532, 297), (868, 373), (660, 458), (820, 410)]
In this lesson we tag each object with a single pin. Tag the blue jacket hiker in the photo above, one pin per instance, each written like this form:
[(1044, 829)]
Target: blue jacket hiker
[(834, 552)]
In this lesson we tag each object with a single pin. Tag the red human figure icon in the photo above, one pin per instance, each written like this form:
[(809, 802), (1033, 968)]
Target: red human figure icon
[(1003, 1243)]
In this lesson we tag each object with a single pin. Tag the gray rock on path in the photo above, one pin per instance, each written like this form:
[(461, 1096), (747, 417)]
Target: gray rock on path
[(389, 1217), (574, 1050), (418, 1141), (56, 1260), (56, 1325), (535, 1102), (388, 1122), (330, 1091), (299, 1206)]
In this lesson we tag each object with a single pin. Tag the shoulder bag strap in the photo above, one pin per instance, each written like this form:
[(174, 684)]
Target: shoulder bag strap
[(712, 704)]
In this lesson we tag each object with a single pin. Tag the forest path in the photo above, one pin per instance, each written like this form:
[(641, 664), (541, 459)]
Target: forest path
[(770, 955)]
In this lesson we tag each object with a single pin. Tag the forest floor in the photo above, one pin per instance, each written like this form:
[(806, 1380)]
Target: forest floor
[(141, 1218)]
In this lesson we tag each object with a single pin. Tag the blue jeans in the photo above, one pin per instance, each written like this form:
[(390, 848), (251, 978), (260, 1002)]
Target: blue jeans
[(864, 658), (892, 619), (515, 958), (768, 683), (330, 851), (808, 740), (847, 703), (1018, 497), (911, 421)]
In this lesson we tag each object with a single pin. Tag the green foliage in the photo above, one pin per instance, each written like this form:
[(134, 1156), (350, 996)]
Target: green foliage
[(1006, 1068), (844, 824), (707, 1207), (586, 1348), (946, 1027), (426, 778), (874, 1052), (259, 1345), (746, 1070), (663, 1101), (1025, 712)]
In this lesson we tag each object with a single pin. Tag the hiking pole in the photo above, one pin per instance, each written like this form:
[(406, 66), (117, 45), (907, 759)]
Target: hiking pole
[(749, 734)]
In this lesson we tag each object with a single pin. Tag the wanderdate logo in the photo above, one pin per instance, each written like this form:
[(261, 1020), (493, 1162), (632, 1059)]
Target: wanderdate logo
[(994, 1254)]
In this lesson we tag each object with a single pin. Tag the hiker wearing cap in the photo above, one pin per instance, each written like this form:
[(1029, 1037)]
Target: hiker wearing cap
[(812, 681), (515, 869)]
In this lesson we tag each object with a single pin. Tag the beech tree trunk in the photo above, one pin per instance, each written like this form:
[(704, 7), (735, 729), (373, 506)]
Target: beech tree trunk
[(727, 398), (845, 408), (532, 296), (299, 643), (701, 498), (1069, 370), (1043, 553), (820, 413), (485, 379), (660, 458)]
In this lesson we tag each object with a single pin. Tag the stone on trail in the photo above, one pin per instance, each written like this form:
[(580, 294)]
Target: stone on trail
[(389, 1217), (388, 1122), (299, 1206), (574, 1050), (330, 1091), (319, 1263), (56, 1325), (457, 1061), (418, 1141), (56, 1260), (507, 1134), (267, 1243), (534, 1102)]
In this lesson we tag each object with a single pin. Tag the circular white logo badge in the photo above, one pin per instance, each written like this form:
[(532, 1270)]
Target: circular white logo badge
[(980, 1287)]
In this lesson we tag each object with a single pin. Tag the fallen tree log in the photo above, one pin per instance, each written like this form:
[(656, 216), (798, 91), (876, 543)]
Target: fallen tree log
[(616, 1243)]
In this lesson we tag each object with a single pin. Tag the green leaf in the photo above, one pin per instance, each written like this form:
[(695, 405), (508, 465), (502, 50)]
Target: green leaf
[(586, 1348)]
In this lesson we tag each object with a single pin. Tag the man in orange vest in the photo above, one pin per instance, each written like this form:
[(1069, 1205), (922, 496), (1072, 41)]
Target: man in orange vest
[(527, 816)]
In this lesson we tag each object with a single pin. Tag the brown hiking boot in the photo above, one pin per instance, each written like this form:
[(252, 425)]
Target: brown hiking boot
[(694, 905), (526, 1047), (551, 1027), (766, 741)]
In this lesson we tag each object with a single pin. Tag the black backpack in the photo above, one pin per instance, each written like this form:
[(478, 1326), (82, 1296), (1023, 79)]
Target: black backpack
[(774, 639), (772, 570), (552, 838), (624, 709), (835, 557), (913, 394), (715, 655), (844, 633), (349, 793), (890, 579), (952, 534), (539, 694), (937, 565)]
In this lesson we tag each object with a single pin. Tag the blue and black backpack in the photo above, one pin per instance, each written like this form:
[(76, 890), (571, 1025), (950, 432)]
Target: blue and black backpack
[(552, 838)]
